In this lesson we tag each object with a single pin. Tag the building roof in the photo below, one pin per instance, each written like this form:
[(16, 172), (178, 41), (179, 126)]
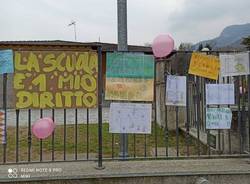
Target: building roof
[(105, 46)]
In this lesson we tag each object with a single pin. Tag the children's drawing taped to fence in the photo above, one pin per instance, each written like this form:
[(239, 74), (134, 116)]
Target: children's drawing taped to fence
[(2, 127), (130, 118), (202, 65), (219, 94), (234, 64), (56, 79), (176, 90), (129, 77), (6, 61), (218, 118)]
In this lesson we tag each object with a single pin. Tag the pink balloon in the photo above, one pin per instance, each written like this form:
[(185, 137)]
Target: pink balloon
[(43, 128), (163, 45)]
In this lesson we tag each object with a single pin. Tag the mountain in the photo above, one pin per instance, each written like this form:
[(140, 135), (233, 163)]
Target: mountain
[(230, 38)]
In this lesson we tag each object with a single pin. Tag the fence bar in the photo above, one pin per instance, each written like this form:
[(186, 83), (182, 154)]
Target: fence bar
[(41, 141), (187, 110), (166, 128), (248, 81), (155, 110), (64, 133), (112, 146), (17, 135), (219, 139), (177, 130), (5, 78), (145, 145), (29, 135), (100, 90), (238, 113), (202, 103), (204, 107), (229, 130), (198, 113), (87, 134), (76, 124), (134, 136), (243, 112), (53, 138)]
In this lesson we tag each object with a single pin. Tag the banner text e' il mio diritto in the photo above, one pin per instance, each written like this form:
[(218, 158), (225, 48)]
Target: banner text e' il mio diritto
[(55, 79)]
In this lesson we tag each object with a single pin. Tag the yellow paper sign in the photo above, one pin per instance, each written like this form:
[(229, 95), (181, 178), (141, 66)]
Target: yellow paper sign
[(204, 65)]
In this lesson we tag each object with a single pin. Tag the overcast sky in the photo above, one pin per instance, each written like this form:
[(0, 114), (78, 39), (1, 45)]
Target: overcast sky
[(185, 20)]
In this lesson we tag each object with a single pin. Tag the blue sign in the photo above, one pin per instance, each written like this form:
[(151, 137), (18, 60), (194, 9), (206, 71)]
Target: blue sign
[(6, 61)]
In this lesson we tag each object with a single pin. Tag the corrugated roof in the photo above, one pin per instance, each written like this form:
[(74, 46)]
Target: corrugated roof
[(105, 46)]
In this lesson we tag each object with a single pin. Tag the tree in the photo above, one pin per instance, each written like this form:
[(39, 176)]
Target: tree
[(185, 46), (246, 42), (208, 46), (147, 44), (200, 47)]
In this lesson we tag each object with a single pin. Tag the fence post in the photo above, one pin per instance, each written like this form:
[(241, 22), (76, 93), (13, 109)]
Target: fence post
[(5, 78), (100, 90)]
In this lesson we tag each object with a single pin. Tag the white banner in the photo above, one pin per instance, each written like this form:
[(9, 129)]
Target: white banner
[(176, 90), (218, 94), (234, 64), (130, 118), (218, 118)]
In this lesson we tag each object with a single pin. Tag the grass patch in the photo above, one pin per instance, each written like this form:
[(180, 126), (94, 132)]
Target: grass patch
[(138, 145)]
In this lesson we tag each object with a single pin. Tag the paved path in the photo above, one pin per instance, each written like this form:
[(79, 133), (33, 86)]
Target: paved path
[(84, 170), (59, 116)]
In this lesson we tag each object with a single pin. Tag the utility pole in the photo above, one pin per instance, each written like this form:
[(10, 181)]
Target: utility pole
[(122, 47), (73, 23)]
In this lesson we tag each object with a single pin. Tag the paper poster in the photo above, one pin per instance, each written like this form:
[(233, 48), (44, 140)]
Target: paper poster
[(234, 64), (55, 79), (130, 118), (218, 118), (219, 94), (203, 65), (176, 90), (2, 127), (129, 77), (6, 61)]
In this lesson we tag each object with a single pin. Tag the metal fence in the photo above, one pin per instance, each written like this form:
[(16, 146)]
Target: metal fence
[(232, 142), (83, 135)]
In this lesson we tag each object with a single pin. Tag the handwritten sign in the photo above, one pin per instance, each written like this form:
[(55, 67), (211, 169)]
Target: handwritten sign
[(218, 118), (2, 127), (55, 79), (130, 118), (6, 61), (129, 77), (207, 66), (219, 94), (234, 64), (176, 90)]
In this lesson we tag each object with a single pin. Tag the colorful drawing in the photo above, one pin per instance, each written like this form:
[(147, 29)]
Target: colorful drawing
[(55, 79), (202, 65), (129, 77), (130, 118), (218, 118), (234, 64), (176, 90), (6, 61)]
